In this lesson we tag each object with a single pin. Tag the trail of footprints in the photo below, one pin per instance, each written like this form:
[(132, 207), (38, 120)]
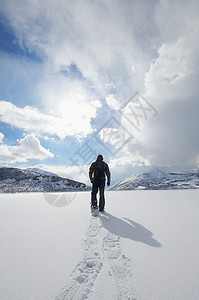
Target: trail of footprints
[(120, 267), (101, 248)]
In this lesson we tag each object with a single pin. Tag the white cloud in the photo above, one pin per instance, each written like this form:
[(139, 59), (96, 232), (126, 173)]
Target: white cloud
[(71, 102), (28, 147), (1, 137), (113, 102), (127, 165), (170, 71), (100, 38), (66, 123), (171, 138), (111, 136)]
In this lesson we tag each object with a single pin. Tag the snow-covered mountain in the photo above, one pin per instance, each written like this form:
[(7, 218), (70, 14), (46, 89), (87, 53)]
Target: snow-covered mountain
[(17, 180), (41, 171), (158, 180)]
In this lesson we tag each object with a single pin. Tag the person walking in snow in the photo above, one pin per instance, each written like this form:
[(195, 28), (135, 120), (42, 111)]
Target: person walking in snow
[(97, 172)]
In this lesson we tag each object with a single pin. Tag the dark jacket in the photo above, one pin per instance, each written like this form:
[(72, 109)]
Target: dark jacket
[(105, 171)]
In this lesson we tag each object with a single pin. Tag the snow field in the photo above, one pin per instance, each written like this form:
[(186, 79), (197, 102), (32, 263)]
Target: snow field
[(144, 247)]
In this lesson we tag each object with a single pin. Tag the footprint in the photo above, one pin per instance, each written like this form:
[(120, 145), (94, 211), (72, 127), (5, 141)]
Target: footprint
[(81, 281), (111, 246), (120, 267)]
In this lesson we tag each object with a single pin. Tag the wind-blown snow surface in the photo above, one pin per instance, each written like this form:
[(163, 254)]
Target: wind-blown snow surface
[(144, 247)]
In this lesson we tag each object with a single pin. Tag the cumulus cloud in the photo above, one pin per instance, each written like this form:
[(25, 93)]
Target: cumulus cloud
[(66, 123), (113, 102), (28, 147), (168, 138), (112, 136), (71, 101), (171, 86)]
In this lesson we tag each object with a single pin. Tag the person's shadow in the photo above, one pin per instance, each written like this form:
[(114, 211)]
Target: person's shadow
[(128, 229)]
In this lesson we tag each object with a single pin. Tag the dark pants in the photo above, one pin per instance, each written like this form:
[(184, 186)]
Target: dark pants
[(98, 184)]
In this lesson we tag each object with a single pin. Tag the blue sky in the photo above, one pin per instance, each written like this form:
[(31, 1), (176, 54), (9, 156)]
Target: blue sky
[(67, 68)]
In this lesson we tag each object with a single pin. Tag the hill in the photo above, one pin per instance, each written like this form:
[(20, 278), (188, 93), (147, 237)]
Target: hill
[(14, 180)]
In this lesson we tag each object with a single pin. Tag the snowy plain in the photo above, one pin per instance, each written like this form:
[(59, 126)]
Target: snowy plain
[(145, 246)]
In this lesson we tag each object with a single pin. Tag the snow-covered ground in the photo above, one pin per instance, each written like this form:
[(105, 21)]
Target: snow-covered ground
[(144, 247)]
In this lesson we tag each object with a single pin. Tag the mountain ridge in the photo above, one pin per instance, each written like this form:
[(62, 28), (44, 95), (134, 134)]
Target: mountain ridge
[(14, 180), (158, 180)]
